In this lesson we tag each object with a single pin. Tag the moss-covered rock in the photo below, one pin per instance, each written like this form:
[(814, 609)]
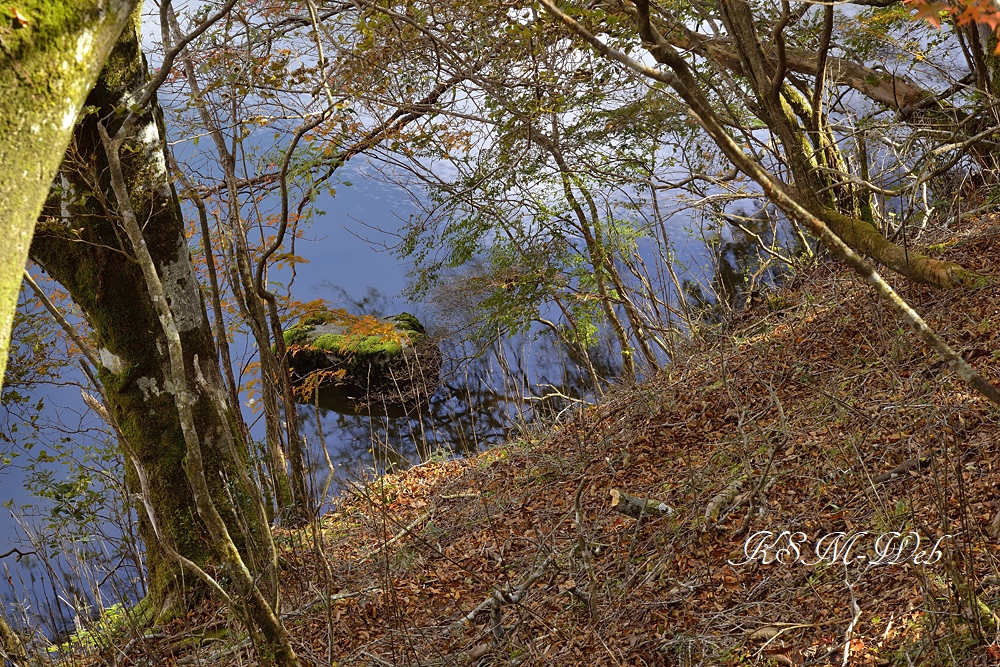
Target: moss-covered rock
[(362, 362)]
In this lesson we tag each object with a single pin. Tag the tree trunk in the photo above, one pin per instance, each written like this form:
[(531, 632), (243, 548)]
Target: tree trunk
[(682, 80), (80, 244), (47, 67), (289, 491), (869, 241)]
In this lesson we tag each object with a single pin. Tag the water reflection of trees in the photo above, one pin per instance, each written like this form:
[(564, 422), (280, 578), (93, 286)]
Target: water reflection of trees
[(492, 387), (487, 391), (749, 251)]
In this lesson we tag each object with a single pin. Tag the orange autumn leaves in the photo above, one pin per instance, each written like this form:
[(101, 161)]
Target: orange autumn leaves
[(960, 12)]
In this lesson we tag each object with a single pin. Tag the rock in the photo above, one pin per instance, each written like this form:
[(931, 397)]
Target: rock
[(363, 364)]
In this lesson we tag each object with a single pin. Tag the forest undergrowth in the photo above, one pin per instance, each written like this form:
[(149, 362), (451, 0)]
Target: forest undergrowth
[(817, 412)]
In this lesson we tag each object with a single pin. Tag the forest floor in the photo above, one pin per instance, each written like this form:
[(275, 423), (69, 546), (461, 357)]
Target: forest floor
[(817, 412)]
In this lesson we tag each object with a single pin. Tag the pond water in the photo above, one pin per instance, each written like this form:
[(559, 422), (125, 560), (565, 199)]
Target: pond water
[(486, 390)]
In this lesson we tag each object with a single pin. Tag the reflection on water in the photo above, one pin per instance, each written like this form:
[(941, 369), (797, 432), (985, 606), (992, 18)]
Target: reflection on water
[(750, 253), (486, 393)]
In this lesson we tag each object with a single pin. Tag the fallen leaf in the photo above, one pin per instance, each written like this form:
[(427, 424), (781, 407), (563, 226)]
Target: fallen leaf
[(20, 20)]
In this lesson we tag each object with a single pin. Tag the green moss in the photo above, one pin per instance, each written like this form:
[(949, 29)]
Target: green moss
[(297, 335), (371, 345), (329, 342), (941, 247), (143, 613), (365, 346), (408, 322), (364, 354), (976, 281), (112, 623)]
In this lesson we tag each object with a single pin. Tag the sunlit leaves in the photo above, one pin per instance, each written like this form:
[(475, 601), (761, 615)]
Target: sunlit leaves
[(962, 12)]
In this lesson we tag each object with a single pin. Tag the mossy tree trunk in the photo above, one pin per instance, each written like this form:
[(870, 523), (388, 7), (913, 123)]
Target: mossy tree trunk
[(987, 69), (47, 67), (80, 243)]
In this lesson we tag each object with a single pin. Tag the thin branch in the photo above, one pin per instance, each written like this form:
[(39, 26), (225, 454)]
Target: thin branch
[(824, 52), (58, 317), (781, 67)]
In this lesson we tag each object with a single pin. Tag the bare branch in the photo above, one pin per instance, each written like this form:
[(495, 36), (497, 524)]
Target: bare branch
[(58, 317)]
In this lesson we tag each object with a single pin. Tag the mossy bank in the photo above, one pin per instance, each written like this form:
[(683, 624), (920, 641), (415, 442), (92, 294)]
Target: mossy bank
[(363, 363)]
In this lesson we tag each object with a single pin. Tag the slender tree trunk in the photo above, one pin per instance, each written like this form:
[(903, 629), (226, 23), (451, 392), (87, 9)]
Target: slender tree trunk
[(80, 244), (289, 486), (989, 80), (686, 86), (47, 67), (596, 251)]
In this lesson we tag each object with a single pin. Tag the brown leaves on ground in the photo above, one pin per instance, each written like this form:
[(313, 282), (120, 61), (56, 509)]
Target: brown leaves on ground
[(811, 401)]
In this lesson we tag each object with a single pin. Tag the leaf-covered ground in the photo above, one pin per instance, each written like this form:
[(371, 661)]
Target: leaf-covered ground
[(834, 417)]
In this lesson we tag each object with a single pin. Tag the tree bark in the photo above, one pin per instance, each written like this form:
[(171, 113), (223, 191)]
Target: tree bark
[(47, 67), (257, 612), (11, 648), (869, 241), (80, 244)]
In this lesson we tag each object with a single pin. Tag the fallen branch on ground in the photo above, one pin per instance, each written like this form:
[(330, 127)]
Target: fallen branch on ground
[(634, 507), (903, 468), (724, 498), (513, 595)]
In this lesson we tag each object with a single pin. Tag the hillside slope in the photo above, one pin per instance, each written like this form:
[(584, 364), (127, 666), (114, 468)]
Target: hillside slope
[(818, 413)]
